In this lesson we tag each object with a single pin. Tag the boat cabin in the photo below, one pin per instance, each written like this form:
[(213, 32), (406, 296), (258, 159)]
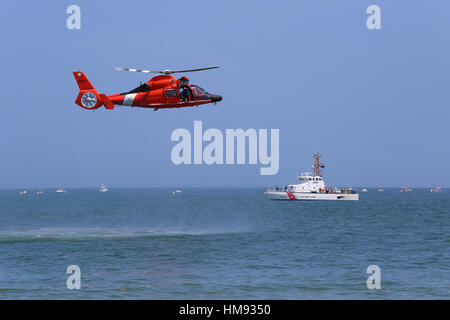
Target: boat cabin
[(308, 183)]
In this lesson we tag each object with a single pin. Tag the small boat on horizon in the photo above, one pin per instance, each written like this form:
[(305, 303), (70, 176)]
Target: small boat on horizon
[(103, 188), (40, 191), (22, 192), (364, 190), (437, 189), (61, 190), (380, 189), (406, 188)]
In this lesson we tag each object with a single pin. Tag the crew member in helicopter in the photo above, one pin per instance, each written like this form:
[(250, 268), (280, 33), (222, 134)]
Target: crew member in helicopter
[(186, 92)]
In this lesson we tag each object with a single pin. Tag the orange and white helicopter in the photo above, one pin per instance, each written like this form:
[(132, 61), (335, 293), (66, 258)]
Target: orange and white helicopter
[(160, 92)]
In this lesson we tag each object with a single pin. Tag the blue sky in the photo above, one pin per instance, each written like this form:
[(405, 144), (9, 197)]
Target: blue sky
[(374, 103)]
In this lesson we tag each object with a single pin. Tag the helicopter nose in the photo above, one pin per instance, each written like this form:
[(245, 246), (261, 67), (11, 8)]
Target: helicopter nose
[(216, 98)]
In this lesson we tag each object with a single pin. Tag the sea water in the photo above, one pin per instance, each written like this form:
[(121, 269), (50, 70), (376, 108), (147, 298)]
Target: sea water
[(223, 243)]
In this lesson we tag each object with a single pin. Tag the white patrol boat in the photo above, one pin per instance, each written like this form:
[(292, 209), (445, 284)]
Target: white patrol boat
[(311, 187), (103, 188)]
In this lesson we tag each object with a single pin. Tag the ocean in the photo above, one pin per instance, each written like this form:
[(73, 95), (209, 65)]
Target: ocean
[(223, 243)]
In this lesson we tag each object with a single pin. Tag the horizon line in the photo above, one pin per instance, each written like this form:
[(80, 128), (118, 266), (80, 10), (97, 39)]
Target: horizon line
[(167, 187)]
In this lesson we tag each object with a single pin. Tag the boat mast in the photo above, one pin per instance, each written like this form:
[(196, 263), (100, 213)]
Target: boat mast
[(317, 165)]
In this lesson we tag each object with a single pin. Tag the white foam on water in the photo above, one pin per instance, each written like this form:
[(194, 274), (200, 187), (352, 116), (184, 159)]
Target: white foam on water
[(96, 233)]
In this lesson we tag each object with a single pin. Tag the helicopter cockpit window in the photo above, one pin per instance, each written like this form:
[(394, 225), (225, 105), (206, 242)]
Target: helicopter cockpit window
[(202, 91), (196, 92)]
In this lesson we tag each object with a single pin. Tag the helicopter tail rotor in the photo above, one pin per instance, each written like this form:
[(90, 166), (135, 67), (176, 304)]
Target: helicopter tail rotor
[(88, 97)]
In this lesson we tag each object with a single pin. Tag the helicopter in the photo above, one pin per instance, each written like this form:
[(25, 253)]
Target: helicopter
[(160, 92)]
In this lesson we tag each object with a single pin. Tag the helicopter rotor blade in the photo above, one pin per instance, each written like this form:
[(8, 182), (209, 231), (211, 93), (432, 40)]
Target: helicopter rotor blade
[(136, 70), (163, 71), (192, 70)]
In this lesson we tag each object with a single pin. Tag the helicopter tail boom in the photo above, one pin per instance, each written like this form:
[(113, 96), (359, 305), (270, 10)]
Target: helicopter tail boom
[(108, 104)]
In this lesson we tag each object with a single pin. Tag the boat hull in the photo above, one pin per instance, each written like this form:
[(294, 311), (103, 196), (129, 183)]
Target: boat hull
[(280, 195)]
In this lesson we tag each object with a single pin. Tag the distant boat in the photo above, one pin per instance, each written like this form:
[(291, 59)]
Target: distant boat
[(380, 189), (406, 188), (23, 192), (437, 189), (176, 191), (364, 190), (40, 191), (61, 190), (103, 188)]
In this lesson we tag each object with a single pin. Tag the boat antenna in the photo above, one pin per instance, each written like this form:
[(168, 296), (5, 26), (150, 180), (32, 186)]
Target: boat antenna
[(318, 166)]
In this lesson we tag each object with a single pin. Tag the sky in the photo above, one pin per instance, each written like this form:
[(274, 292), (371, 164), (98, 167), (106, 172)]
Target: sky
[(374, 103)]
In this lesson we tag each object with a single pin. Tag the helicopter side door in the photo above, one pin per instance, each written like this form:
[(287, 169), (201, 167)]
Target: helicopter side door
[(171, 96)]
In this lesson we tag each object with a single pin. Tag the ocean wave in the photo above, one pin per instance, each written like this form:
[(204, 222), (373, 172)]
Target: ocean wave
[(95, 233)]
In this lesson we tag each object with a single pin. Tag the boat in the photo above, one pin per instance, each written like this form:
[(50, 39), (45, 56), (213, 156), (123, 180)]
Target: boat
[(40, 191), (406, 188), (364, 190), (380, 189), (311, 187), (61, 190), (103, 188), (437, 189), (22, 192)]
